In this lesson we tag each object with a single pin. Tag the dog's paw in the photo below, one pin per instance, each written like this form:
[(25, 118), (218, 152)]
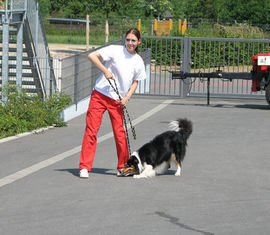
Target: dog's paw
[(138, 176), (178, 172)]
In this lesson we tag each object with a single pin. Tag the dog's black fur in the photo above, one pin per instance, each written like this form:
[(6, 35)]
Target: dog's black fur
[(163, 148)]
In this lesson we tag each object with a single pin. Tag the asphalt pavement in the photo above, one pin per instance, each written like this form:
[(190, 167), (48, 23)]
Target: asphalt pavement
[(224, 187)]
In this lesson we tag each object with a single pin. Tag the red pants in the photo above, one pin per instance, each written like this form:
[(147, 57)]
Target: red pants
[(98, 104)]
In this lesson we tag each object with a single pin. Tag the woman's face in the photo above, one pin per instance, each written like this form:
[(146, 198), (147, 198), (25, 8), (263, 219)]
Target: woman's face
[(131, 43)]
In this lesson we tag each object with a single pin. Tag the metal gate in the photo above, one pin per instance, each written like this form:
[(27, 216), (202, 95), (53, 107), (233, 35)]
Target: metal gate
[(167, 54), (189, 54)]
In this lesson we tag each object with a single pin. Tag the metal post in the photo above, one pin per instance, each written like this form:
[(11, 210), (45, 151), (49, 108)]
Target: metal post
[(87, 32), (36, 33), (208, 91), (70, 29), (19, 55), (107, 30), (185, 67), (46, 76), (76, 71), (5, 54), (48, 83)]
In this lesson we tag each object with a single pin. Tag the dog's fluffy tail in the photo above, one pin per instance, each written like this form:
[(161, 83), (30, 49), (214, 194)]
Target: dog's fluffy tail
[(182, 124)]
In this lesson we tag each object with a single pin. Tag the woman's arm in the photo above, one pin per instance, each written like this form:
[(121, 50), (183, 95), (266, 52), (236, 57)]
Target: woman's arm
[(95, 57), (131, 90)]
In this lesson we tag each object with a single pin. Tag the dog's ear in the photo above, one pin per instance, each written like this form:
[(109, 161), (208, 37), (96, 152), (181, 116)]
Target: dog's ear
[(135, 163), (132, 160)]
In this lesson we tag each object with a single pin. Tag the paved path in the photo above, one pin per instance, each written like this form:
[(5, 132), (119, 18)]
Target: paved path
[(224, 187)]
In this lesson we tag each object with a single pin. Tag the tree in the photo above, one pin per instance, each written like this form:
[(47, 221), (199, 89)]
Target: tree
[(252, 11), (45, 7), (204, 9), (68, 8), (179, 8), (105, 6), (154, 8)]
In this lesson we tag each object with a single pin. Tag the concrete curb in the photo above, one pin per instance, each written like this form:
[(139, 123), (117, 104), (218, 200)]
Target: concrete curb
[(38, 131)]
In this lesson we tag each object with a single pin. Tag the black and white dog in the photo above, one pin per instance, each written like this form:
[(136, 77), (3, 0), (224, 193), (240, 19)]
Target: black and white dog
[(170, 145)]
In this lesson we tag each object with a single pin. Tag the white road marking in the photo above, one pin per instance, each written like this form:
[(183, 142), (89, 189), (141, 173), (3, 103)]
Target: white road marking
[(48, 162)]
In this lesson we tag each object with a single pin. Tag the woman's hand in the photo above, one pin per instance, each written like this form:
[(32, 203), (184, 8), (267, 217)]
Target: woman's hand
[(108, 75), (124, 101)]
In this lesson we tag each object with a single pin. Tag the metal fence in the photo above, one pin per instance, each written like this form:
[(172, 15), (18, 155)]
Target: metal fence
[(162, 55), (227, 55)]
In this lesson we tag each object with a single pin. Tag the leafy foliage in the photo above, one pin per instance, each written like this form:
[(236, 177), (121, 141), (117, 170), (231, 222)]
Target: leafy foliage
[(25, 113), (252, 11)]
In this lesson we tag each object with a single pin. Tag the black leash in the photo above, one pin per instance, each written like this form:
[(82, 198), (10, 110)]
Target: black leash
[(124, 110)]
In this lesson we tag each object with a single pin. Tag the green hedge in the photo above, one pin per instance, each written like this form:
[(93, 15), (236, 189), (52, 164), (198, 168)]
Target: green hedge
[(25, 113)]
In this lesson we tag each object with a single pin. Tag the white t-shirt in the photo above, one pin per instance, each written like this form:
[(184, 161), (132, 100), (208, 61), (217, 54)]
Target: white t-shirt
[(125, 68)]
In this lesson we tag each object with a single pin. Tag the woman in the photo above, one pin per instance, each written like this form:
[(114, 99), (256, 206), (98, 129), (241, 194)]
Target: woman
[(126, 67)]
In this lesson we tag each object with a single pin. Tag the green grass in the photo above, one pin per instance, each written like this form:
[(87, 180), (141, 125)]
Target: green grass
[(66, 39), (76, 34), (79, 39), (65, 35)]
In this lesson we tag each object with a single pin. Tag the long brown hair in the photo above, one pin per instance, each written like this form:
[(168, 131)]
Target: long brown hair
[(137, 33)]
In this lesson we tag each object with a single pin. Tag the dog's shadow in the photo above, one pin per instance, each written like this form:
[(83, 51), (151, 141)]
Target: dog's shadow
[(169, 172), (76, 171)]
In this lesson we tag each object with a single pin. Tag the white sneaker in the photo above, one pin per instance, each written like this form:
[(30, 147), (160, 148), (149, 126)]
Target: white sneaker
[(118, 174), (84, 173)]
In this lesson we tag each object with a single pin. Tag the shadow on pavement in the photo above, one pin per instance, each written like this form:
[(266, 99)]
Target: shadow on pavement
[(242, 106), (75, 171)]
